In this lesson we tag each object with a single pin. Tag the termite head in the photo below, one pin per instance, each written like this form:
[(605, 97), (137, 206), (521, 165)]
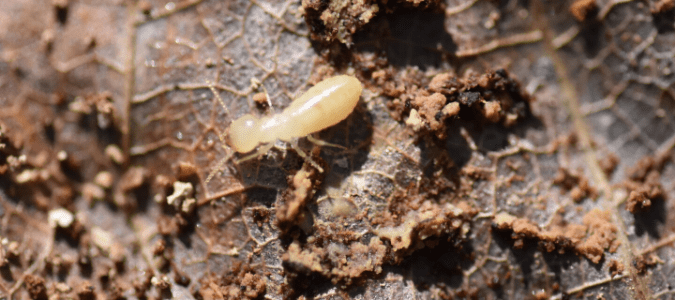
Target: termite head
[(242, 134)]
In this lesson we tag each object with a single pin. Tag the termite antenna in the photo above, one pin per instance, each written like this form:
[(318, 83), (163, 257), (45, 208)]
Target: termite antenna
[(227, 157), (217, 95), (218, 167)]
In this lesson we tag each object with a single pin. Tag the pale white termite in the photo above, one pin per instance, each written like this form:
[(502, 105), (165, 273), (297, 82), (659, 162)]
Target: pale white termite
[(324, 105)]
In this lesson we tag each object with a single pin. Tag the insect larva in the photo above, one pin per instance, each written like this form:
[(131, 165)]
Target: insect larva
[(324, 105)]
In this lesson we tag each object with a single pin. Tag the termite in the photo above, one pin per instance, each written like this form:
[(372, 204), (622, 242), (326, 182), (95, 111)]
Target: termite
[(324, 105)]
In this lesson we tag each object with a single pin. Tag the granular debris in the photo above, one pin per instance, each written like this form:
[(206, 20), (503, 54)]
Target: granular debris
[(132, 180), (86, 291), (582, 9), (662, 6), (101, 104), (609, 163), (645, 262), (338, 261), (291, 209), (337, 19), (591, 239), (615, 267), (644, 184), (242, 282), (416, 226), (492, 97), (36, 287), (576, 184), (343, 256)]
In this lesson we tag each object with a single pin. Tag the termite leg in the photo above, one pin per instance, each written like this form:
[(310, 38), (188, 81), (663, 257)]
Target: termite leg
[(294, 145), (319, 142), (262, 150)]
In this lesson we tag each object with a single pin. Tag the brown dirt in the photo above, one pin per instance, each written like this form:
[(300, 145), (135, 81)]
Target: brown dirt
[(582, 9), (591, 239)]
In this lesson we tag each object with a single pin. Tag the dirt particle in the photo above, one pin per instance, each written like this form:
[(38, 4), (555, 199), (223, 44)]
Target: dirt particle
[(576, 184), (253, 285), (492, 111), (180, 277), (663, 6), (430, 220), (161, 282), (61, 10), (291, 209), (337, 19), (451, 109), (104, 179), (414, 121), (56, 264), (638, 201), (615, 267), (186, 170), (591, 239), (566, 179), (3, 256), (337, 261), (101, 103), (115, 154), (645, 165), (79, 105), (142, 283), (428, 106), (36, 287), (181, 198), (62, 288), (91, 192), (444, 83), (86, 291), (69, 165), (644, 184), (118, 256), (492, 97), (167, 226), (106, 112), (240, 282), (131, 186), (60, 217), (645, 262), (260, 99), (541, 295), (601, 235), (582, 9), (115, 291), (342, 207), (102, 238), (159, 247), (31, 175), (609, 163), (261, 215), (13, 250), (133, 179), (145, 7)]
